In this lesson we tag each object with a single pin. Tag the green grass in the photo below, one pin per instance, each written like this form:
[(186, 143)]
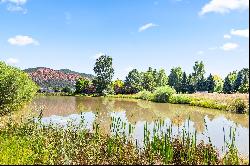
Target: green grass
[(236, 105), (35, 143)]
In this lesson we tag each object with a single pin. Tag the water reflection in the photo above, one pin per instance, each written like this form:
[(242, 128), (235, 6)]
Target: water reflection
[(139, 112)]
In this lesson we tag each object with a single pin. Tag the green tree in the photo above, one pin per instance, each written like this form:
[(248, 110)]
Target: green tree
[(104, 73), (184, 83), (133, 82), (161, 78), (16, 88), (198, 75), (118, 86), (175, 78), (210, 84), (67, 90), (82, 86), (191, 84), (242, 78), (218, 83), (228, 86), (148, 80)]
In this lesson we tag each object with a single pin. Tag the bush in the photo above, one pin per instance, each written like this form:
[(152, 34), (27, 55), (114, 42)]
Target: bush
[(145, 95), (179, 99), (162, 94), (239, 106), (16, 88)]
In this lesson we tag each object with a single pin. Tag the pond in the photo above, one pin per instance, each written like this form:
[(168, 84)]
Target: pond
[(207, 122)]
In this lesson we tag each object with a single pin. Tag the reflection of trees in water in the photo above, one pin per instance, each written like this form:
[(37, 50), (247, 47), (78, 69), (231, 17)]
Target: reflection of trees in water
[(136, 110), (55, 105)]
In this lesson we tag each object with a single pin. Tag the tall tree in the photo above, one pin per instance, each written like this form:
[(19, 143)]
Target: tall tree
[(161, 78), (148, 80), (242, 78), (133, 82), (198, 75), (191, 84), (175, 77), (104, 73), (218, 83), (210, 83), (228, 86), (184, 83)]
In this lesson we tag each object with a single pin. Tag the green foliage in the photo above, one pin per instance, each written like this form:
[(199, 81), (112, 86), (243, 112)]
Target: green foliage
[(148, 80), (244, 88), (210, 84), (16, 88), (162, 94), (218, 83), (228, 86), (133, 82), (179, 99), (118, 86), (239, 106), (242, 80), (161, 78), (67, 90), (184, 83), (38, 144), (198, 75), (145, 95), (104, 73), (175, 78), (191, 84), (82, 86)]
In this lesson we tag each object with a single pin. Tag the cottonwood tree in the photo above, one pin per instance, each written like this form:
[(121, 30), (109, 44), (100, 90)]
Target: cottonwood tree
[(104, 73)]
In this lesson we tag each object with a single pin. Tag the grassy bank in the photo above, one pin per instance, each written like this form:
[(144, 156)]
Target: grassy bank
[(35, 143), (238, 103)]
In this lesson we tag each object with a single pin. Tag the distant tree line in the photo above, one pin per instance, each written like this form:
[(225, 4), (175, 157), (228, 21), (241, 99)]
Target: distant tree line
[(149, 80)]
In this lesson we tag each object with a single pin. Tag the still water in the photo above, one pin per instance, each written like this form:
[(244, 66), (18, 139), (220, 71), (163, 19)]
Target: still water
[(61, 110)]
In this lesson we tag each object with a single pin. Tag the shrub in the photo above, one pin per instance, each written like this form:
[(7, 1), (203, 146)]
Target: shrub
[(16, 88), (179, 99), (239, 106), (162, 94), (145, 95)]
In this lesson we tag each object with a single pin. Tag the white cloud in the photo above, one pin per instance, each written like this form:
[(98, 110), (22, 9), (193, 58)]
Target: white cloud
[(147, 26), (17, 2), (224, 6), (16, 8), (227, 36), (12, 61), (200, 52), (229, 46), (15, 5), (22, 40), (240, 32)]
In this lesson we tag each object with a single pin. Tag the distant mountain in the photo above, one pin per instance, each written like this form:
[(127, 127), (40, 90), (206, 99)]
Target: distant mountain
[(48, 78)]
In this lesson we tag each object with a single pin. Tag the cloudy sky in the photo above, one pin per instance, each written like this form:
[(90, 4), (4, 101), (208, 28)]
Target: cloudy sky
[(136, 33)]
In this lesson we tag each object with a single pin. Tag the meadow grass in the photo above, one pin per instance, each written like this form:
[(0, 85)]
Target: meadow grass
[(237, 103)]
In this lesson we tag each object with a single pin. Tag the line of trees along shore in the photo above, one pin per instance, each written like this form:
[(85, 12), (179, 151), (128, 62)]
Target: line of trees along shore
[(182, 82)]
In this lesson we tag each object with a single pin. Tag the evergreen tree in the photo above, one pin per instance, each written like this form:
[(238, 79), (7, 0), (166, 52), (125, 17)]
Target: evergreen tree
[(175, 77), (184, 83), (210, 84)]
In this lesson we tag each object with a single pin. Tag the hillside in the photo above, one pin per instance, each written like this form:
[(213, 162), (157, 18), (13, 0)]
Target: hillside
[(48, 78)]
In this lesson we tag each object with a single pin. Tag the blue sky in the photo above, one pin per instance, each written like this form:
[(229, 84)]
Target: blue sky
[(136, 33)]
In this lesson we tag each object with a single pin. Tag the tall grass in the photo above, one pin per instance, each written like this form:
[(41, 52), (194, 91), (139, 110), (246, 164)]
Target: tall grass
[(33, 142)]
